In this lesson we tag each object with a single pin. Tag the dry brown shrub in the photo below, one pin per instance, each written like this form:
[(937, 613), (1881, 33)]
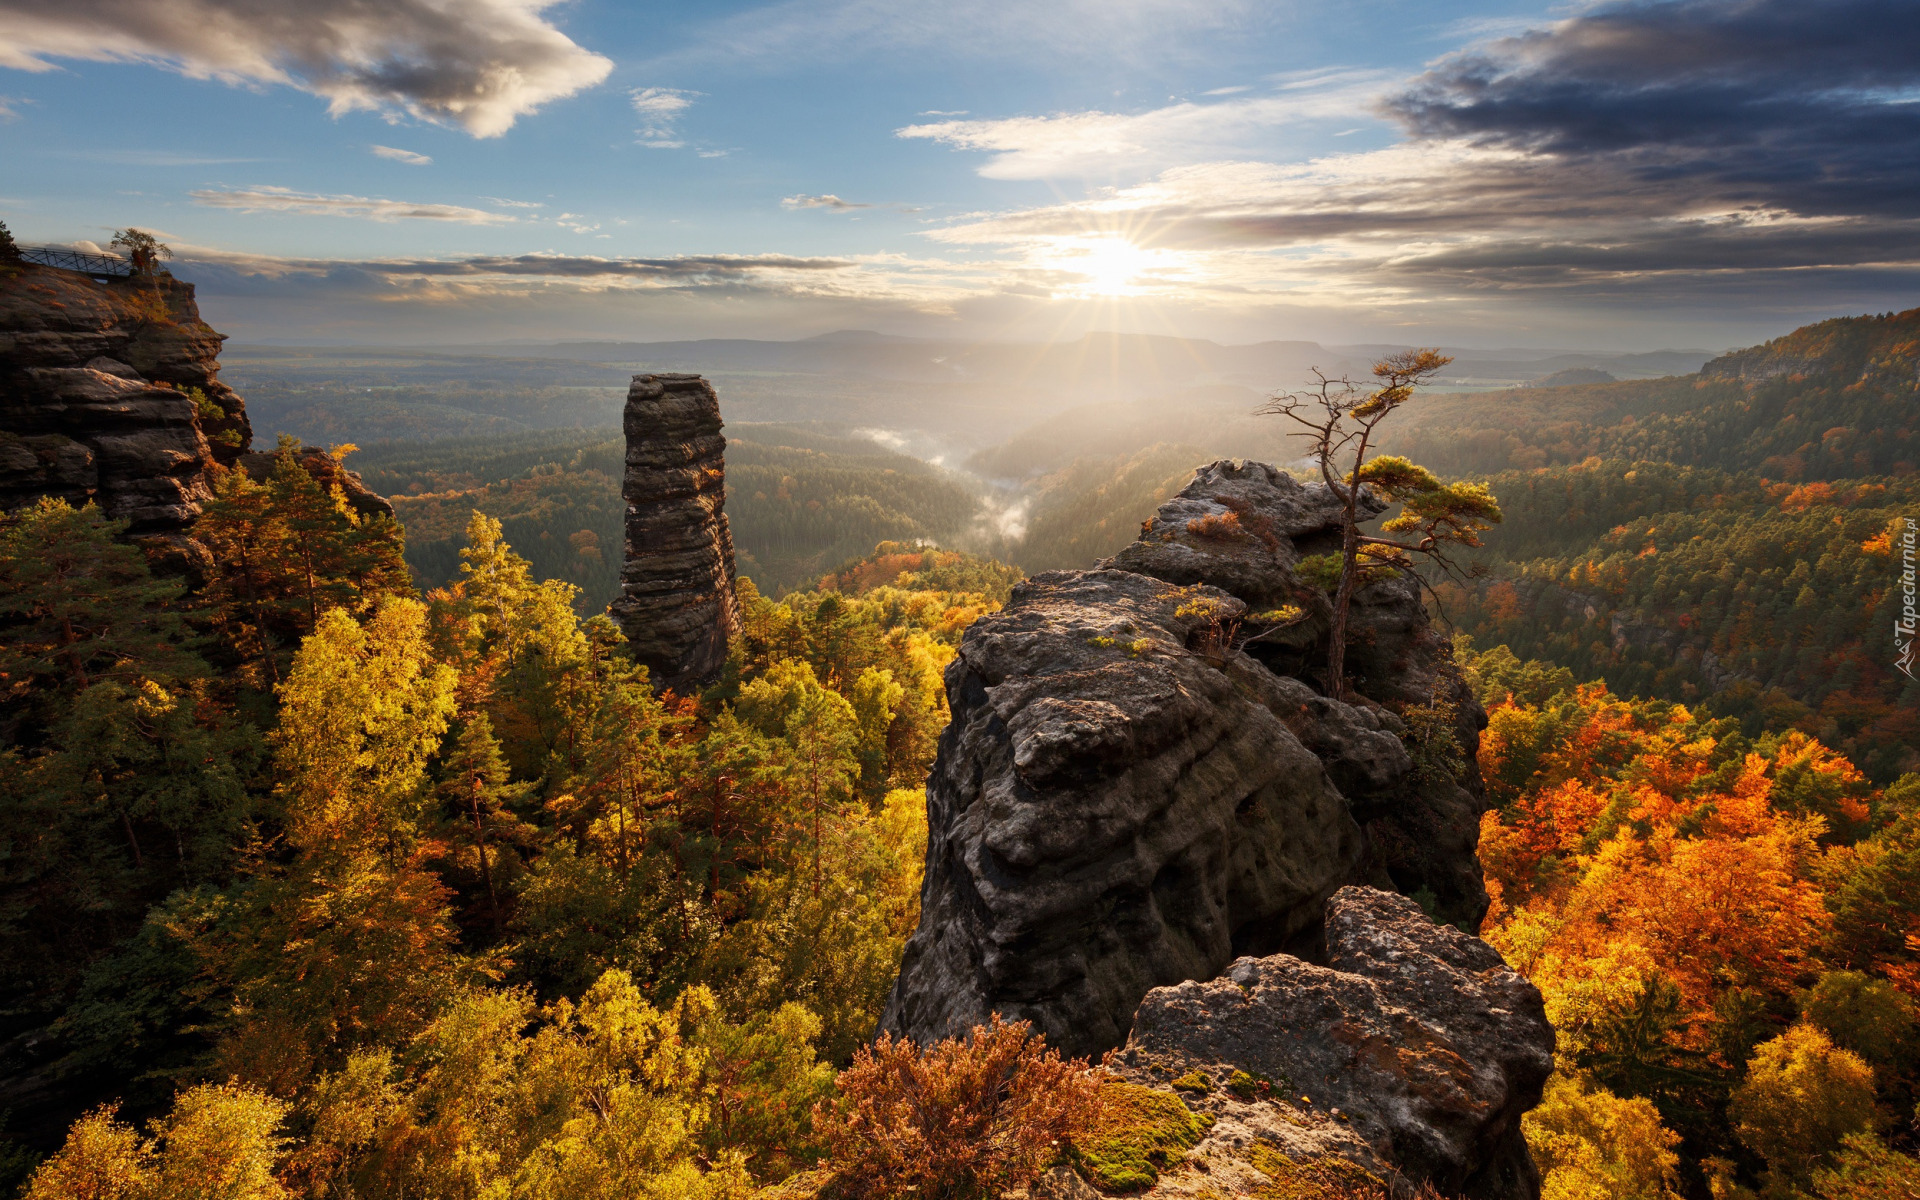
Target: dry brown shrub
[(1219, 526), (963, 1119)]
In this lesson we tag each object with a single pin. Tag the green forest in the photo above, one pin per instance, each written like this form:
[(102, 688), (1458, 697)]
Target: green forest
[(800, 500)]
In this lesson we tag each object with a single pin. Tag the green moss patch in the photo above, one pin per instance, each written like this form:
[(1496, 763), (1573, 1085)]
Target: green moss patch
[(1141, 1132), (1194, 1081), (1322, 1179), (1250, 1087)]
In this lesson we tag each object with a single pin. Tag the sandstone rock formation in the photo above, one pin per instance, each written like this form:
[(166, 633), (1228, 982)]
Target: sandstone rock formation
[(109, 392), (1133, 791), (1411, 1055), (1111, 811), (677, 602), (1243, 527)]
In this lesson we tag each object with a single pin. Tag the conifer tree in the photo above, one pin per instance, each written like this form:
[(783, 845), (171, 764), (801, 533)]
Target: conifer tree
[(474, 783), (1341, 421), (84, 605)]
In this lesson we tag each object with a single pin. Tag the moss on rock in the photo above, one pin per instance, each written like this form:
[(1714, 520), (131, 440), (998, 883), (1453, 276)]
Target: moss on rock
[(1321, 1179), (1141, 1131)]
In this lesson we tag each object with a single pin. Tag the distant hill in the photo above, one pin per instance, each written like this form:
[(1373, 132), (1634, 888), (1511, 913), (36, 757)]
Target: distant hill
[(1570, 376), (1831, 401)]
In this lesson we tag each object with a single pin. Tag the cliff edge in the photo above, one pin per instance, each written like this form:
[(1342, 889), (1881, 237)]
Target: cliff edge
[(110, 392)]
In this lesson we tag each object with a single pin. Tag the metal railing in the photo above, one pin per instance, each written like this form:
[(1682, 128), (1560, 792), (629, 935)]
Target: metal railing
[(75, 260)]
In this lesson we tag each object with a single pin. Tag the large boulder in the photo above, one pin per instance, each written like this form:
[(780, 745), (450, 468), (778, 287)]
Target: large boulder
[(1118, 804), (1140, 784), (1410, 1056)]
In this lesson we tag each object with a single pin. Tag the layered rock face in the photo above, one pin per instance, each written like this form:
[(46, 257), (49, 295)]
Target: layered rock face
[(1132, 794), (95, 399), (677, 604), (1411, 1055), (1243, 527)]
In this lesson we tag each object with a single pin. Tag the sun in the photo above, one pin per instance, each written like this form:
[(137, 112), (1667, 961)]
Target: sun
[(1107, 265)]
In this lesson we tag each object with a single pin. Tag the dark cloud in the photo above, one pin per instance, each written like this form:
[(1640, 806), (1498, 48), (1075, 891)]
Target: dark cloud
[(1799, 105)]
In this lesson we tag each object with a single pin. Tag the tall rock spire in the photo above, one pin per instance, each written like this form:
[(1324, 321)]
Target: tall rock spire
[(677, 603)]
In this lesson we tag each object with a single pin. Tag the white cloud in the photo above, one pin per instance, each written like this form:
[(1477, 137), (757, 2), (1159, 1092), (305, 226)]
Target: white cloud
[(285, 200), (1082, 144), (513, 203), (827, 201), (478, 64), (10, 107), (399, 155), (660, 111)]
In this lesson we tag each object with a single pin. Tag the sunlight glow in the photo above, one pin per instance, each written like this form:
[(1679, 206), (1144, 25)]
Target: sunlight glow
[(1108, 265)]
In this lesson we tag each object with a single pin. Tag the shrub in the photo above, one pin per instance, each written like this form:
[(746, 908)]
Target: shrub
[(963, 1119)]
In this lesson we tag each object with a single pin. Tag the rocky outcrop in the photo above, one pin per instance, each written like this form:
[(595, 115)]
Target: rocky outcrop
[(676, 603), (1410, 1056), (1112, 811), (109, 392), (1141, 783), (1243, 527)]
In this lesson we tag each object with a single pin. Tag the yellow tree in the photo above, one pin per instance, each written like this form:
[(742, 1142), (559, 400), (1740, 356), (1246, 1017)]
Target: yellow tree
[(360, 713)]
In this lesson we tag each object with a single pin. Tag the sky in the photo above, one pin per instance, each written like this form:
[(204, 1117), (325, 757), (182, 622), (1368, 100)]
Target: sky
[(1600, 176)]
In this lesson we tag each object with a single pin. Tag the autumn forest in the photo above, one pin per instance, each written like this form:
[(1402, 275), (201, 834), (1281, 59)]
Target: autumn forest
[(356, 872)]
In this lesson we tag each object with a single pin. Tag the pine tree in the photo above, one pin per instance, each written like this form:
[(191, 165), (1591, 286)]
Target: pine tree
[(83, 604), (475, 785)]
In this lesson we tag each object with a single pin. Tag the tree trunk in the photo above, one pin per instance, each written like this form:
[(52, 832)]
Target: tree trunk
[(132, 841), (480, 848)]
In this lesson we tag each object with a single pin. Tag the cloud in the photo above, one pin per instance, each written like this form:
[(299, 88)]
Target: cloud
[(1802, 105), (1657, 155), (399, 155), (686, 268), (10, 107), (1095, 143), (478, 64), (827, 201), (285, 200), (513, 203), (660, 111)]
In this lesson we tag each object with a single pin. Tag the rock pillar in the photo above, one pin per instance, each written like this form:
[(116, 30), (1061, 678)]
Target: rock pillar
[(677, 603)]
